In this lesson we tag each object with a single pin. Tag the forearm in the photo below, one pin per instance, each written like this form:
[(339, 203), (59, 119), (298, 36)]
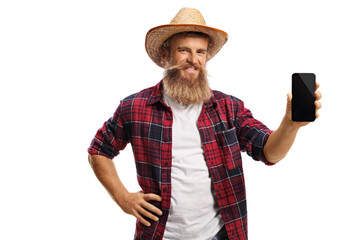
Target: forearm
[(105, 171), (136, 204), (280, 141)]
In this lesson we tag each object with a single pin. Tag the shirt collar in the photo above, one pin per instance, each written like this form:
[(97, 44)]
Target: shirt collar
[(156, 96)]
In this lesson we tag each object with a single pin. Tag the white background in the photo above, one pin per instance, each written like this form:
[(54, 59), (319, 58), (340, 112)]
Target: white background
[(65, 65)]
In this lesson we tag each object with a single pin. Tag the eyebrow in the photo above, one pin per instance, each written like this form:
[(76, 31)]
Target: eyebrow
[(186, 48)]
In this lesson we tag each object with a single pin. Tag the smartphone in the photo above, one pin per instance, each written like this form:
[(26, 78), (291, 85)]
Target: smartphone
[(303, 97)]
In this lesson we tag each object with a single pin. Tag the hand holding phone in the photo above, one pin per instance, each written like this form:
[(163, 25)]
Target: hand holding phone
[(303, 97)]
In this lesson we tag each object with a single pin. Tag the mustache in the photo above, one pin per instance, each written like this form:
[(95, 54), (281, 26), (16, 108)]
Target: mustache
[(186, 64)]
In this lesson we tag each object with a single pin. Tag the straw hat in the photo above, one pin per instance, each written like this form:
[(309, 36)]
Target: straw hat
[(187, 20)]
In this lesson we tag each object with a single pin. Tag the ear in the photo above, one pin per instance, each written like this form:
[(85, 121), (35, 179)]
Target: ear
[(165, 56)]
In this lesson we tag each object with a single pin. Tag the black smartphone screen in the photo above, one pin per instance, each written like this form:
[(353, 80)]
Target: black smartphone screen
[(303, 88)]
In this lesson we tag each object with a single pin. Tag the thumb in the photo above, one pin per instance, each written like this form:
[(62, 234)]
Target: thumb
[(288, 105), (289, 97)]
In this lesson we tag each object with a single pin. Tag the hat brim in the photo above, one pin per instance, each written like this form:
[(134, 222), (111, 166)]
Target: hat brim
[(156, 37)]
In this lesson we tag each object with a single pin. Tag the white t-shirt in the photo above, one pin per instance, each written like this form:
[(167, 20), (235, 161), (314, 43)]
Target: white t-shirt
[(194, 213)]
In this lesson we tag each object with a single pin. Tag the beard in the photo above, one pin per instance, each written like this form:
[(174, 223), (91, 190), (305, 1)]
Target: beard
[(189, 89)]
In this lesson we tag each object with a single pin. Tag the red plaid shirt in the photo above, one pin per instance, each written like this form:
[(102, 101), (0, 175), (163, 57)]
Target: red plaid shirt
[(226, 127)]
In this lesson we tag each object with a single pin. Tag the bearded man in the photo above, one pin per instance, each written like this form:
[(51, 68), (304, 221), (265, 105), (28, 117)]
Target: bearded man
[(187, 140)]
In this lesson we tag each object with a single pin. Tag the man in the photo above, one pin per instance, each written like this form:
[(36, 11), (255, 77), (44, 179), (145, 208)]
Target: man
[(187, 141)]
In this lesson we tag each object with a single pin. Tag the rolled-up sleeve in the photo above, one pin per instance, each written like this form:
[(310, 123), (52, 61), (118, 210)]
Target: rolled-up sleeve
[(110, 138), (252, 134)]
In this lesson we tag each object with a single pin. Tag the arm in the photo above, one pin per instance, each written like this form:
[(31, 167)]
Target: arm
[(281, 140), (131, 203)]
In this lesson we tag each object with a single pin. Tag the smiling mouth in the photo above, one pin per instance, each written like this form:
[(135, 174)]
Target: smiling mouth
[(190, 69)]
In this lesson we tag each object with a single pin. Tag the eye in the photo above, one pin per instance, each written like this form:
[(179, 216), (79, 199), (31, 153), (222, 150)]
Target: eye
[(202, 52)]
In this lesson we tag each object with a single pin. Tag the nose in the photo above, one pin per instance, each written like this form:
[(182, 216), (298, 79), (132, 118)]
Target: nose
[(192, 58)]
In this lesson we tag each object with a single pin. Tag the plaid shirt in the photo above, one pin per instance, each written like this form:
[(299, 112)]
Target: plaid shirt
[(226, 127)]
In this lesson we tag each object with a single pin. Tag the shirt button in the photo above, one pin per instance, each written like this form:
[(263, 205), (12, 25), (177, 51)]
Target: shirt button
[(165, 189), (166, 164), (169, 118), (167, 139)]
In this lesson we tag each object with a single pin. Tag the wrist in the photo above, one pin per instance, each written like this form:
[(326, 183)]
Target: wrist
[(289, 126), (121, 197)]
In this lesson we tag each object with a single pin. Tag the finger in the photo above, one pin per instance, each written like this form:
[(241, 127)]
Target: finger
[(318, 104), (141, 219), (151, 196), (289, 96), (317, 85), (147, 214), (318, 95), (152, 208)]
